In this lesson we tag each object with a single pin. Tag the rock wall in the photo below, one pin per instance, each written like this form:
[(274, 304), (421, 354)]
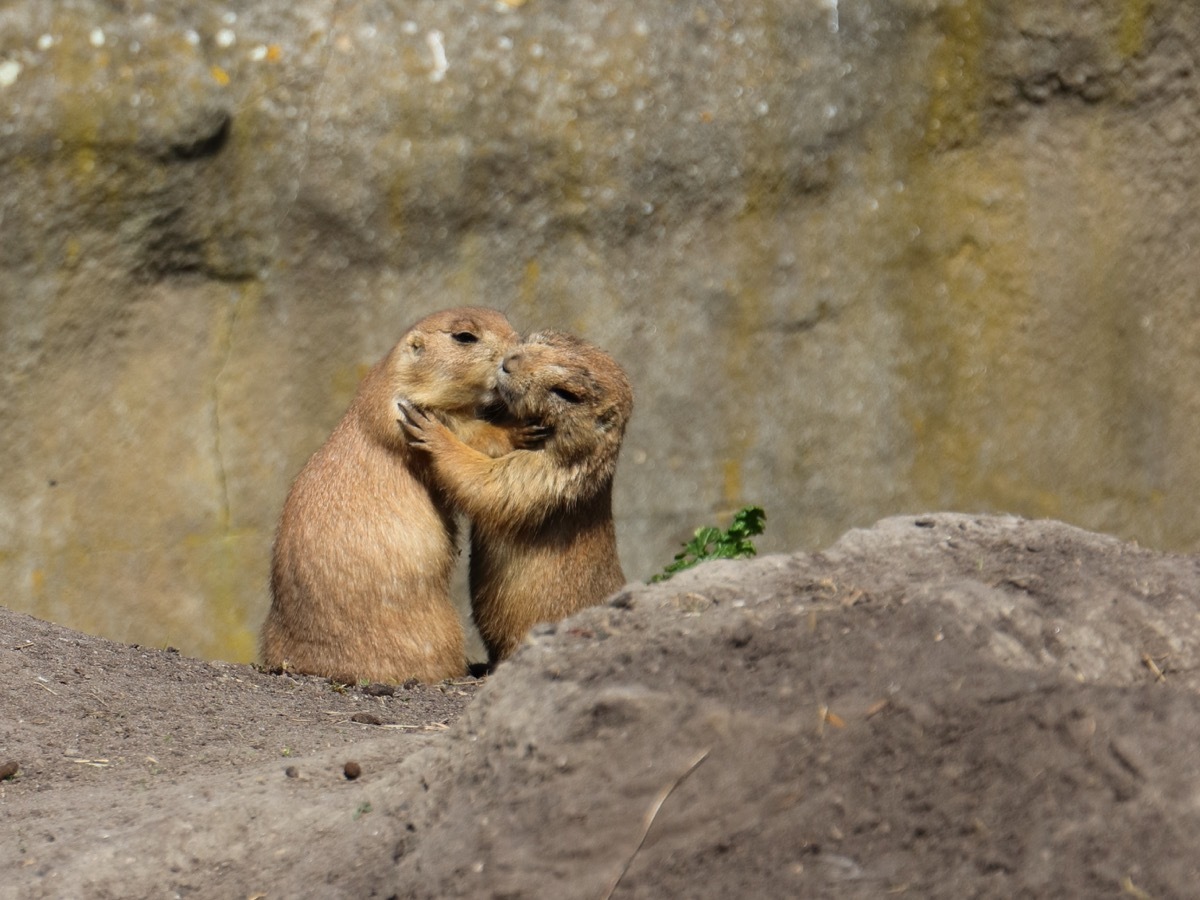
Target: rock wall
[(857, 258)]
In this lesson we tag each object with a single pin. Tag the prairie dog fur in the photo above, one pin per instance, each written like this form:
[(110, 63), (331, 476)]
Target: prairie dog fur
[(543, 544), (364, 552)]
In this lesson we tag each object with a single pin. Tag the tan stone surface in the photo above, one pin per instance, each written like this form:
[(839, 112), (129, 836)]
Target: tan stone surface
[(857, 258)]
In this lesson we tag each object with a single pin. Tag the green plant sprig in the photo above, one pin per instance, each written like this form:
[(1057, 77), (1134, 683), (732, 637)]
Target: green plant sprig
[(713, 543)]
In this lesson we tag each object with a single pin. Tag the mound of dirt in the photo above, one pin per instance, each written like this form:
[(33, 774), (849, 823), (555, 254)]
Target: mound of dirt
[(943, 706)]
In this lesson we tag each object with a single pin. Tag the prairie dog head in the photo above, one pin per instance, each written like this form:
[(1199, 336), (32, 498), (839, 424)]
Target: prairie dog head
[(448, 360), (570, 385)]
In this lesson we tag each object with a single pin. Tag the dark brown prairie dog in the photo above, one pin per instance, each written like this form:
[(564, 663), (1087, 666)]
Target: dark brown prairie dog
[(543, 543), (363, 557)]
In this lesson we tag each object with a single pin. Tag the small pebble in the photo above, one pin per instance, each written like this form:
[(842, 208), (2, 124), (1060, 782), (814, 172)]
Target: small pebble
[(351, 770), (379, 689), (9, 769), (9, 70), (291, 772), (366, 719), (623, 600)]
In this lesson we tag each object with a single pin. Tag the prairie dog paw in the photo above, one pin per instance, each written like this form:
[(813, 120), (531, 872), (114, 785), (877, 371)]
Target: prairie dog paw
[(413, 422), (531, 435)]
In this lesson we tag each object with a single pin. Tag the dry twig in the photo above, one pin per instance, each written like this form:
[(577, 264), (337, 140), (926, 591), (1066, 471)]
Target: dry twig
[(1158, 673), (651, 813)]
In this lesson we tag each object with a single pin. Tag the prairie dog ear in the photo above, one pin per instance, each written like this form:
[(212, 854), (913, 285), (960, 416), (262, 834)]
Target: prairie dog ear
[(416, 344)]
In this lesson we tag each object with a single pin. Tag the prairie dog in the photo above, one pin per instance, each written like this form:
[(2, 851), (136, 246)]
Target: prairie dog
[(543, 544), (364, 553)]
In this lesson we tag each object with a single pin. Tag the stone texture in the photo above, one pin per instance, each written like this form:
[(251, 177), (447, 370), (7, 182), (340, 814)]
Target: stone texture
[(858, 259), (944, 706)]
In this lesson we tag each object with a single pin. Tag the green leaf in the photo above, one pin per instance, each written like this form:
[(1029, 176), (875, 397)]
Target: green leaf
[(713, 543)]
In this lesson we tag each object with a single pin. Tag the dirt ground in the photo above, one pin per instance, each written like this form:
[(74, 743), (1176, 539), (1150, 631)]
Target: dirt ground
[(940, 706)]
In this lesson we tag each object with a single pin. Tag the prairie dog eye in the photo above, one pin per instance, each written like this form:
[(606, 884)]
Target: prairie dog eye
[(569, 396), (465, 337)]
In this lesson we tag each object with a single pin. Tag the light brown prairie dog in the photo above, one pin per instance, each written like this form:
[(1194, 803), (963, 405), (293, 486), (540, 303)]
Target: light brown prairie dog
[(363, 557), (543, 544)]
